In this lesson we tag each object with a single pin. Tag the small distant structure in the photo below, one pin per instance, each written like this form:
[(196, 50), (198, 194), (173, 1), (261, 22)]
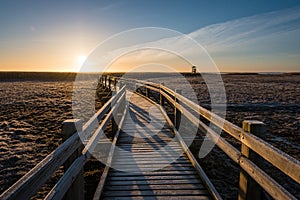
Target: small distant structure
[(194, 70)]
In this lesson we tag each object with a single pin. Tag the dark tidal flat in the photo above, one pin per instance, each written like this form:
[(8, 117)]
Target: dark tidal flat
[(32, 108)]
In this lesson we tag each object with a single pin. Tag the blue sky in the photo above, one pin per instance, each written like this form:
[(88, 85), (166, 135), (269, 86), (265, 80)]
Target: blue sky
[(51, 35)]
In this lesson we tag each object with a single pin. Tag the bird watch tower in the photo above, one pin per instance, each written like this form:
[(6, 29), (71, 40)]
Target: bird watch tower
[(194, 70)]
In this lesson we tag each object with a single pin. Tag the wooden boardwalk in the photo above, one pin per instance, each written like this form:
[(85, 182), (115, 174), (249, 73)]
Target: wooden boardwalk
[(148, 158), (150, 163)]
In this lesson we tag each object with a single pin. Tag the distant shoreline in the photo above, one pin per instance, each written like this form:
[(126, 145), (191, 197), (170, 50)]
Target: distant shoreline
[(71, 76)]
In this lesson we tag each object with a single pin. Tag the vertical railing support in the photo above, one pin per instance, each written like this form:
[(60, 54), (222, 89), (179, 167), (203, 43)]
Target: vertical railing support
[(76, 191), (117, 115), (134, 85), (105, 80), (248, 188), (109, 82), (121, 84), (115, 84), (177, 113), (100, 80), (147, 91), (161, 97)]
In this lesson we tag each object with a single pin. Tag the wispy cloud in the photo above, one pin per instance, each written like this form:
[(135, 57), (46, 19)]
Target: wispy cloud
[(276, 33), (248, 32)]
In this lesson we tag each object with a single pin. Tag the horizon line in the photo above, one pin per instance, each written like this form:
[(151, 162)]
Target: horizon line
[(225, 72)]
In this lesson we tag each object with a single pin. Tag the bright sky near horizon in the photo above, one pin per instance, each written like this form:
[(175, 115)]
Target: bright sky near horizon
[(239, 35)]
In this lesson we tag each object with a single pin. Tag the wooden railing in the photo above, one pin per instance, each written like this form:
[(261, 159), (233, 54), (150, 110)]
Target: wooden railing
[(71, 185), (71, 154), (252, 176)]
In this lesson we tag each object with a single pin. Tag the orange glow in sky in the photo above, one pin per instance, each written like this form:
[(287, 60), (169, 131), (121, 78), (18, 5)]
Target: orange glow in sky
[(58, 36)]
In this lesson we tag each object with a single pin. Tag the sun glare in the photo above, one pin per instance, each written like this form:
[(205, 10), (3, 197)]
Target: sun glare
[(80, 59)]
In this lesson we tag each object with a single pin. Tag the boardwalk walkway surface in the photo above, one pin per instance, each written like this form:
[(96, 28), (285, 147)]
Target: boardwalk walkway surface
[(148, 158), (149, 162)]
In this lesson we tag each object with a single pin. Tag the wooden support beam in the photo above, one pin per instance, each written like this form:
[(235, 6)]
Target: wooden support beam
[(177, 113), (161, 96), (105, 80), (248, 188), (115, 84), (76, 191), (109, 82), (147, 91)]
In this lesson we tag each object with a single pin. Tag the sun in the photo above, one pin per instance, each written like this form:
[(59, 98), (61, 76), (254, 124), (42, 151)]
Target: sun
[(80, 59)]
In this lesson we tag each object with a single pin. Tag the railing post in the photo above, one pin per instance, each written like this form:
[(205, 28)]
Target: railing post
[(177, 113), (115, 84), (109, 82), (147, 91), (117, 115), (248, 188), (134, 85), (76, 191), (161, 97), (114, 124), (121, 84), (105, 80)]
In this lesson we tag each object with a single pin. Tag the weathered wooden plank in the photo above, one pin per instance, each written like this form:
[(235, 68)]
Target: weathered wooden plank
[(150, 148), (140, 178), (154, 187), (161, 146), (154, 193), (144, 155), (177, 197), (151, 140), (141, 162), (103, 178), (150, 158), (149, 167), (162, 128), (154, 182), (151, 151), (167, 168), (146, 141), (153, 173), (135, 146), (158, 153), (163, 150), (154, 168), (147, 145), (194, 162), (148, 134)]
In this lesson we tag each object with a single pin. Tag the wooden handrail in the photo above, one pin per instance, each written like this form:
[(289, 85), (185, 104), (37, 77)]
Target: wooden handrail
[(110, 156), (32, 181), (284, 162), (287, 164), (275, 189), (65, 182)]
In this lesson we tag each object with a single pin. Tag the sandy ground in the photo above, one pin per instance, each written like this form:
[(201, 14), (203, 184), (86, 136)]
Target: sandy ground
[(30, 124), (31, 113)]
